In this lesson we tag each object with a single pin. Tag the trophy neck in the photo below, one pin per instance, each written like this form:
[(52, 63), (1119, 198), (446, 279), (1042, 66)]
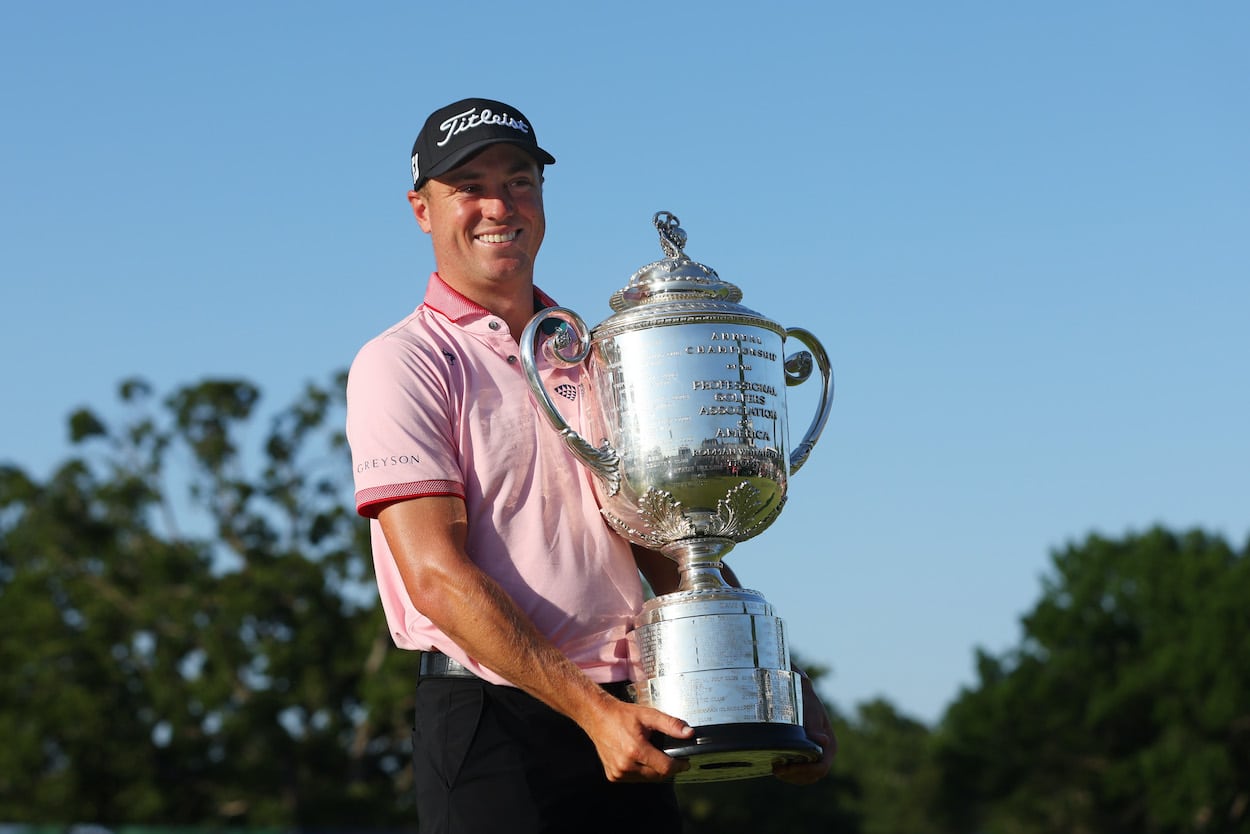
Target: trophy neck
[(699, 562)]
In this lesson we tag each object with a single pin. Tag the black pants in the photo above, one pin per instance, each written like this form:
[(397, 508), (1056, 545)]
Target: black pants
[(493, 759)]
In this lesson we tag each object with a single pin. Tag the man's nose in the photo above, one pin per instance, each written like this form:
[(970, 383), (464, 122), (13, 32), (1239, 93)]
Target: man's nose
[(497, 204)]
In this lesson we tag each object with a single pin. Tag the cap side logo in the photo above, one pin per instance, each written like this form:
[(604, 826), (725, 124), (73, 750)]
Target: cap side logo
[(470, 119), (416, 168)]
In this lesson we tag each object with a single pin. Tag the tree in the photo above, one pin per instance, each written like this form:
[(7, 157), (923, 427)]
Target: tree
[(1126, 708), (887, 756), (236, 674)]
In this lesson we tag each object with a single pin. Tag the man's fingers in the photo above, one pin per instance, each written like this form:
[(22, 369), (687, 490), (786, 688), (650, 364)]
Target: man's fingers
[(663, 765), (657, 768), (807, 773), (669, 725), (800, 774)]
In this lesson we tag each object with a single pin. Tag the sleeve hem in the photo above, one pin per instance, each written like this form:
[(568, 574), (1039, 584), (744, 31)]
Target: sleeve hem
[(370, 501)]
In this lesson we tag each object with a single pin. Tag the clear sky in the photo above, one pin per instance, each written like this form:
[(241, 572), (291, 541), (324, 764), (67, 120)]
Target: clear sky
[(1022, 231)]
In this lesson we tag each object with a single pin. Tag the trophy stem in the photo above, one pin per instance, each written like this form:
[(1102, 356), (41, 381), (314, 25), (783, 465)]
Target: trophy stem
[(699, 562)]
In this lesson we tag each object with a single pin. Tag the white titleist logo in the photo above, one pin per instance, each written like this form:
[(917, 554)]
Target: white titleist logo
[(470, 119)]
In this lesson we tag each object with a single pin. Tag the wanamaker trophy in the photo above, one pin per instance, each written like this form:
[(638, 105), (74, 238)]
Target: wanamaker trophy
[(685, 396)]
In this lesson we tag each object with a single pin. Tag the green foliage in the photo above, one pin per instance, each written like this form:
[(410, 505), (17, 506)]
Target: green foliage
[(83, 424), (767, 806), (236, 676), (1127, 706), (886, 756)]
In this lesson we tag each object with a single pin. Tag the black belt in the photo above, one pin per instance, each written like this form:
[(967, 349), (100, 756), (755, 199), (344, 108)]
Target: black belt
[(439, 665)]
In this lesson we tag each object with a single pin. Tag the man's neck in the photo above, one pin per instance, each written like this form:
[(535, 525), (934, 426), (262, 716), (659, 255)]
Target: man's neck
[(517, 314)]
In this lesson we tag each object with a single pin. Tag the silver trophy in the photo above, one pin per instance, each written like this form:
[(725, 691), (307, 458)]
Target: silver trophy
[(685, 395)]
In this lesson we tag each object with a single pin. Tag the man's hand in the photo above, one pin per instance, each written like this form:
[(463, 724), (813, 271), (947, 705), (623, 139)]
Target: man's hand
[(818, 728), (622, 735)]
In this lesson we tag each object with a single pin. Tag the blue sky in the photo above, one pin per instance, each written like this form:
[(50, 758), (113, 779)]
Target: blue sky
[(1020, 230)]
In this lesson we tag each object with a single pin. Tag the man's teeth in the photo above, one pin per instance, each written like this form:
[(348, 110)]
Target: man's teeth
[(497, 238)]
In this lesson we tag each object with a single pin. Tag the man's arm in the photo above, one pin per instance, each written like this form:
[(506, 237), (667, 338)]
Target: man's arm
[(659, 570), (427, 538)]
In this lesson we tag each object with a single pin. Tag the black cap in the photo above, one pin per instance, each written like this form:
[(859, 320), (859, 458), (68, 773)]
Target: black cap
[(456, 132)]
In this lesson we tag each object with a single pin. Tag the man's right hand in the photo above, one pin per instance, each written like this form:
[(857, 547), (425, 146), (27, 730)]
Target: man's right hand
[(622, 735)]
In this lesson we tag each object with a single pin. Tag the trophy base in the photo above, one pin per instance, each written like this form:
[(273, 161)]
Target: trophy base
[(716, 657), (725, 752)]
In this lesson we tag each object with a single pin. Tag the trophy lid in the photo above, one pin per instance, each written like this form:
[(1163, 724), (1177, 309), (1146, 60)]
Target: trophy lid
[(676, 277)]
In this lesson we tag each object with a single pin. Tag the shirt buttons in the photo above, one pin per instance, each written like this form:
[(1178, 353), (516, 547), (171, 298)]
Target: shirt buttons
[(511, 360), (494, 325)]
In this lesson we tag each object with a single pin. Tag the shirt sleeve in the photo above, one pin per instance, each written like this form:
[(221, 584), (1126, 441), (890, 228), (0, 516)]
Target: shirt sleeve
[(400, 425)]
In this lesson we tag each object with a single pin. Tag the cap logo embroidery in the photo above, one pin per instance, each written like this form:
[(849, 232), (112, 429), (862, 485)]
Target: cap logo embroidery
[(470, 119)]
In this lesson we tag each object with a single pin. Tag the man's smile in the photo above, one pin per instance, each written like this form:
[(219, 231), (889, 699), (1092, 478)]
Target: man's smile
[(501, 238)]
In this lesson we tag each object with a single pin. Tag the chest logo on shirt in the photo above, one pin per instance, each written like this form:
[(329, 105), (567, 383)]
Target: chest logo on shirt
[(569, 392)]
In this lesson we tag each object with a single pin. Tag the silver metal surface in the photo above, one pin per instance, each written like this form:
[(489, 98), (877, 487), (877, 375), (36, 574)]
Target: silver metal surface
[(686, 428), (715, 657), (686, 419)]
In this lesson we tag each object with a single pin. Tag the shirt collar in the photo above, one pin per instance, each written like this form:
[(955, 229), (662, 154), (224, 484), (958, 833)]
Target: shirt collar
[(440, 296)]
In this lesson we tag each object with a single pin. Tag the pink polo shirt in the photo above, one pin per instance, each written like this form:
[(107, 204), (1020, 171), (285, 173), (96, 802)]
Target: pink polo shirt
[(439, 405)]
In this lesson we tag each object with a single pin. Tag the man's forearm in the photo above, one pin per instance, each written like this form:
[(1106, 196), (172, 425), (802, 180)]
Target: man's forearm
[(479, 617), (427, 539)]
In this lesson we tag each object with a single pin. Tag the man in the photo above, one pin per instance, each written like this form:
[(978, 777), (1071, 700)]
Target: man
[(491, 556)]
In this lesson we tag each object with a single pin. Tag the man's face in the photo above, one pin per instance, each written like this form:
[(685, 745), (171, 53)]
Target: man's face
[(485, 219)]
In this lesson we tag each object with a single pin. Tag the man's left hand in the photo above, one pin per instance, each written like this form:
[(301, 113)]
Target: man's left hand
[(819, 729)]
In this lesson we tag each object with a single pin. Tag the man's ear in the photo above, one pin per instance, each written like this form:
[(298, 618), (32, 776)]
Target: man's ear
[(420, 210)]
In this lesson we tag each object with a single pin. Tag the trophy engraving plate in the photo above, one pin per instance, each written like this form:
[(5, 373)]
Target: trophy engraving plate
[(728, 696), (714, 642)]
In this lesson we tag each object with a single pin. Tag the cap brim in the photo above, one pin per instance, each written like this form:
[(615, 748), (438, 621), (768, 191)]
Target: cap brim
[(466, 153)]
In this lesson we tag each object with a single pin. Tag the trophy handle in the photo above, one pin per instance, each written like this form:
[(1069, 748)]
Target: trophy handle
[(798, 369), (603, 461)]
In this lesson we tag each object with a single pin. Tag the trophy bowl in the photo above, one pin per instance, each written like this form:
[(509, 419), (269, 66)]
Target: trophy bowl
[(684, 392)]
